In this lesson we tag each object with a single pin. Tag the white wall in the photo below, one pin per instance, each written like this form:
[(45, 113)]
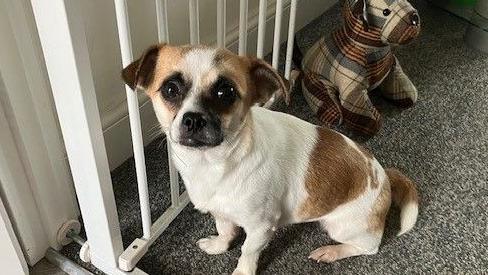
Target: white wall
[(17, 195), (35, 182), (104, 51), (11, 258)]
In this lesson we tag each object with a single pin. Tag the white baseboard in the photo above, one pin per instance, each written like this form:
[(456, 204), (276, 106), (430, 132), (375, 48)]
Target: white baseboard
[(117, 135)]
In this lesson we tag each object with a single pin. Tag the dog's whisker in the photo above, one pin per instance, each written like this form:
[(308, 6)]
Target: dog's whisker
[(179, 158), (162, 142)]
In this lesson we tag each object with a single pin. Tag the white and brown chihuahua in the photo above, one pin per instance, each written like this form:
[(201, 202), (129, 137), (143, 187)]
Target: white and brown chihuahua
[(254, 168)]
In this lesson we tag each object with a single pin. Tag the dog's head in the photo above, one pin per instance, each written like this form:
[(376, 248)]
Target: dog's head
[(388, 21), (202, 95)]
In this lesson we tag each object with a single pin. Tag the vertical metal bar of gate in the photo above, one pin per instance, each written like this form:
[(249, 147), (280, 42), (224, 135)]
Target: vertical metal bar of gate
[(162, 20), (277, 33), (163, 36), (291, 34), (134, 117), (221, 16), (263, 4), (194, 22), (243, 6)]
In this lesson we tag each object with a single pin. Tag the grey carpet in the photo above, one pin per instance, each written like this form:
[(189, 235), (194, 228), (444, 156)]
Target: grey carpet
[(441, 143)]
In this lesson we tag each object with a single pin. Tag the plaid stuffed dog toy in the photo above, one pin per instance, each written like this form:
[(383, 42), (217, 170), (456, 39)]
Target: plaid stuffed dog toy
[(338, 71)]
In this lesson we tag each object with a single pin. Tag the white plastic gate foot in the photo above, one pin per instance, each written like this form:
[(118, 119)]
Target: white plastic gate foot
[(62, 235), (85, 253), (133, 253)]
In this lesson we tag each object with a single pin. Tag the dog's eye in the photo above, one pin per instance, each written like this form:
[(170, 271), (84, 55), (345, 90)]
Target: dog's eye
[(172, 87), (386, 12), (225, 92)]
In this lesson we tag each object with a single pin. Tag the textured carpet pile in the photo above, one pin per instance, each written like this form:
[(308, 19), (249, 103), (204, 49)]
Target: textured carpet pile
[(441, 143)]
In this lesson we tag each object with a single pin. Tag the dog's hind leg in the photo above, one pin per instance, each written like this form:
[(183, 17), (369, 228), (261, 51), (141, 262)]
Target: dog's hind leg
[(220, 243), (332, 253), (398, 88), (354, 240), (357, 233)]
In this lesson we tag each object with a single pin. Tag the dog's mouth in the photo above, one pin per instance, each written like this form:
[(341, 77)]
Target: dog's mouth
[(204, 138), (200, 143)]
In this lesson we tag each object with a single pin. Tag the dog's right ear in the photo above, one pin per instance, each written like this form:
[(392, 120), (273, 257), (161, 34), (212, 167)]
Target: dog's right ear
[(140, 73), (267, 81)]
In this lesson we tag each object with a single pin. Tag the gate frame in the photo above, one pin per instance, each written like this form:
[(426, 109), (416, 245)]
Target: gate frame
[(62, 35)]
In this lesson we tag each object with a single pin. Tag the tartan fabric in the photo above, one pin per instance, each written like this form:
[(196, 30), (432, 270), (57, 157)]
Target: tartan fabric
[(340, 70), (398, 89), (323, 99)]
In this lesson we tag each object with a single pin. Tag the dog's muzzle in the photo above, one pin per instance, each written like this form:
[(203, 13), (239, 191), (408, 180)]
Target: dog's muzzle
[(200, 130)]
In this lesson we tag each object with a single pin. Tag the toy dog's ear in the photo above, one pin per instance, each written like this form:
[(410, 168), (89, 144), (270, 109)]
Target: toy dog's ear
[(360, 9), (140, 73)]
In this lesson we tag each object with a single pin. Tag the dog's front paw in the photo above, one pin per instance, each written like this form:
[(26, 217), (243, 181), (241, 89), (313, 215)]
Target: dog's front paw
[(213, 245), (240, 272), (246, 266)]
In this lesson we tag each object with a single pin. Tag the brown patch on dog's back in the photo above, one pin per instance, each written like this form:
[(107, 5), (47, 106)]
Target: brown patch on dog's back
[(337, 173)]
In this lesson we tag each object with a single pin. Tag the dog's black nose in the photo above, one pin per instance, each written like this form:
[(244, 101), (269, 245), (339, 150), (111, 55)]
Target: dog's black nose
[(193, 122), (415, 19), (198, 129)]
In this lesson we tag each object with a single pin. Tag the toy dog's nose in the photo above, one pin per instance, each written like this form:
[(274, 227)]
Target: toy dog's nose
[(414, 19), (193, 122)]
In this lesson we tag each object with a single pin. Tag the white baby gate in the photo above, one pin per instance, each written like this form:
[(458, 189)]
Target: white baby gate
[(63, 40)]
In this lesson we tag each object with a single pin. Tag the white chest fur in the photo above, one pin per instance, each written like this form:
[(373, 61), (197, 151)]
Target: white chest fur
[(252, 179)]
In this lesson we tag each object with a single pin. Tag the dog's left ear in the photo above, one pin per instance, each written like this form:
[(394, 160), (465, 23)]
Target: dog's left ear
[(140, 73), (360, 9), (267, 81)]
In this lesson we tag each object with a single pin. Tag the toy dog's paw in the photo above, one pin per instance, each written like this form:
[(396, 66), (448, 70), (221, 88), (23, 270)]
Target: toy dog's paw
[(213, 245), (399, 90), (406, 94)]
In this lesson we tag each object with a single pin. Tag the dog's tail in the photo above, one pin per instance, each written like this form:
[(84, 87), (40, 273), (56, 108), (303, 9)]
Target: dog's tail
[(404, 195), (297, 56)]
